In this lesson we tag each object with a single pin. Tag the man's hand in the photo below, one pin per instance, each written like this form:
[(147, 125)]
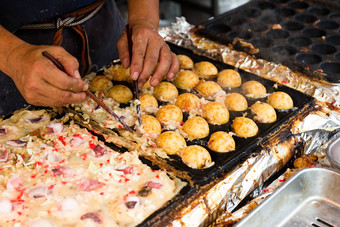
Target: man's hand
[(149, 48), (40, 82)]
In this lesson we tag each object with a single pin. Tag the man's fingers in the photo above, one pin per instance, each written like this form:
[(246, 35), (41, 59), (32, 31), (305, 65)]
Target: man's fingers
[(174, 68), (138, 53), (165, 60), (150, 61), (70, 63), (123, 50)]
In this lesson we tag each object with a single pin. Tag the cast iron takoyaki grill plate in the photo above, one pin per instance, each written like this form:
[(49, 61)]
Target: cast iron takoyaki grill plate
[(309, 38), (244, 146)]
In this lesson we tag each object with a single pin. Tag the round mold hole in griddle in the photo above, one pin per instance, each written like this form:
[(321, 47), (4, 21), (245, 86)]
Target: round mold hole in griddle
[(328, 24), (285, 12), (284, 50), (240, 34), (333, 39), (218, 28), (256, 26), (292, 26), (265, 5), (305, 18), (323, 48), (262, 42), (300, 41), (318, 11), (277, 34), (313, 32), (270, 19), (330, 67), (309, 59), (335, 16), (251, 12), (337, 56), (298, 5)]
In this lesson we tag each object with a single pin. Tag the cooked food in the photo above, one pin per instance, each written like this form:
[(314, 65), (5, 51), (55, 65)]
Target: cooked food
[(185, 62), (236, 102), (169, 113), (117, 73), (280, 100), (165, 91), (221, 142), (215, 113), (148, 103), (196, 128), (147, 84), (229, 78), (205, 70), (186, 80), (254, 89), (264, 113), (196, 157), (244, 127), (208, 88), (100, 83), (151, 125), (171, 142), (188, 102), (120, 93)]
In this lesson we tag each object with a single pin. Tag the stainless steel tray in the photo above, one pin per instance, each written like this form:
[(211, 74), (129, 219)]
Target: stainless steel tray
[(309, 198)]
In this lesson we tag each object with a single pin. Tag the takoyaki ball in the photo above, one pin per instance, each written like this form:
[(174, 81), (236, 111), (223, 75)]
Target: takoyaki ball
[(147, 102), (147, 84), (208, 88), (221, 142), (215, 113), (186, 80), (254, 89), (188, 102), (120, 93), (100, 83), (229, 78), (244, 127), (235, 102), (280, 100), (151, 125), (205, 70), (169, 113), (165, 91), (171, 142), (118, 73), (196, 157), (185, 62), (196, 128), (264, 113)]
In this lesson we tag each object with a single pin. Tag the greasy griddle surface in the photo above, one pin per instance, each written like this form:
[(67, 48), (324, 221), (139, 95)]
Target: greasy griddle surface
[(308, 41), (244, 146)]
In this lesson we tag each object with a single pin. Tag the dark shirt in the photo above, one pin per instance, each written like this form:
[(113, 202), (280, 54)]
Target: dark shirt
[(103, 30)]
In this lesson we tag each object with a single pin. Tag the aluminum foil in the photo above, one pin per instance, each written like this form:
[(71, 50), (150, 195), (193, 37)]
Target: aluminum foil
[(314, 132), (182, 34)]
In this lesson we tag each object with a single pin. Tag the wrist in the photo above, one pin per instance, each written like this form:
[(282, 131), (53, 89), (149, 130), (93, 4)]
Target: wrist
[(145, 22)]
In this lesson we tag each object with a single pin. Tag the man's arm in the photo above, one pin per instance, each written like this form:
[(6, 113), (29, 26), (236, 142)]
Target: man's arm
[(149, 47), (39, 81)]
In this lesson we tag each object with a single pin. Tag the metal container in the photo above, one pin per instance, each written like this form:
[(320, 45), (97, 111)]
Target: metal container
[(309, 198), (333, 153)]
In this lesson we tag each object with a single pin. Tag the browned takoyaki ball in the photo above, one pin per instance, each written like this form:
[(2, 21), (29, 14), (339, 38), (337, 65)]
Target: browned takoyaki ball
[(205, 70), (208, 88), (117, 73), (165, 91), (229, 78), (196, 128), (264, 113), (120, 93), (148, 102), (236, 102), (254, 89), (215, 113), (151, 125), (185, 62), (244, 127), (280, 100), (188, 102), (186, 80), (171, 142), (169, 113), (196, 157), (221, 142), (100, 83)]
